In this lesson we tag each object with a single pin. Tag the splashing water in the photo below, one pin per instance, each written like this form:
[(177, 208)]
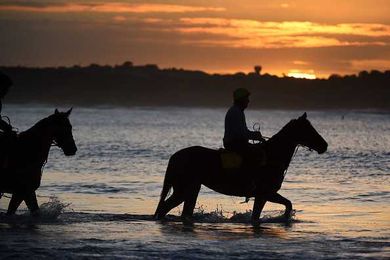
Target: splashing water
[(216, 216), (221, 216), (53, 208), (48, 213)]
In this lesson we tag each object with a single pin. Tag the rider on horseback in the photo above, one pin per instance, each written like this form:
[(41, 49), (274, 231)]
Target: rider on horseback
[(237, 135), (7, 135)]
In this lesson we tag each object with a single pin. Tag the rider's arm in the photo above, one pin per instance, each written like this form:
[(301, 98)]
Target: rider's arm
[(235, 127), (255, 135)]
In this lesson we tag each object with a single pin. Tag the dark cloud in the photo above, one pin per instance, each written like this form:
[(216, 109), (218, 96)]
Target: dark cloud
[(33, 3)]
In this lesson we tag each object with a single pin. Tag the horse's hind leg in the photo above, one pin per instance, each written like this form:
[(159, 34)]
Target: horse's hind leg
[(190, 202), (14, 203), (173, 201)]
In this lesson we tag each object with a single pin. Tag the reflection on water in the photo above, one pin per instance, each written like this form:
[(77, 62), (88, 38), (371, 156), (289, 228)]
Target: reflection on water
[(114, 182), (227, 231)]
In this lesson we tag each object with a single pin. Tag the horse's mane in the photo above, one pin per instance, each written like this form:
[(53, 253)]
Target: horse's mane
[(41, 123), (285, 129)]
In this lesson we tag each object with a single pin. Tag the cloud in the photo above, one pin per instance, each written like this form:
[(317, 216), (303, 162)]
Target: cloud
[(41, 32), (114, 7), (119, 18), (364, 64), (257, 34), (300, 62)]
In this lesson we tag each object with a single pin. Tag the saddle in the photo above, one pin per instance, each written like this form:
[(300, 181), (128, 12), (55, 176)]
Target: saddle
[(230, 159)]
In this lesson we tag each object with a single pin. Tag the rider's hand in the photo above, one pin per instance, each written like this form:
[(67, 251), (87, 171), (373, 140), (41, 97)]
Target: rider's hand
[(259, 136)]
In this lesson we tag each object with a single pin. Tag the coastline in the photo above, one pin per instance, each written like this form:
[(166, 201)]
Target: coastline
[(153, 87)]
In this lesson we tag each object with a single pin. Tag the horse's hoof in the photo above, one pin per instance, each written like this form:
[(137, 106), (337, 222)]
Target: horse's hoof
[(36, 213), (287, 216), (161, 219), (157, 217), (9, 214), (187, 220), (256, 223)]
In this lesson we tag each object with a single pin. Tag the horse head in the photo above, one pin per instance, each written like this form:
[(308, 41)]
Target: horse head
[(63, 136), (305, 134)]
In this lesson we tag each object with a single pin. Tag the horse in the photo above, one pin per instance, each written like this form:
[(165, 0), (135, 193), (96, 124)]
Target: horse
[(193, 166), (22, 175)]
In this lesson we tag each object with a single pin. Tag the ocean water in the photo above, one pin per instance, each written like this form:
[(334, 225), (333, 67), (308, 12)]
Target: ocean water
[(99, 203)]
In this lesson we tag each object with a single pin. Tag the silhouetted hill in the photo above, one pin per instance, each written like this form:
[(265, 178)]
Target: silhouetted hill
[(128, 85)]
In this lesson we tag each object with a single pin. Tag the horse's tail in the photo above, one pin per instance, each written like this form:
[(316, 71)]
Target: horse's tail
[(165, 190)]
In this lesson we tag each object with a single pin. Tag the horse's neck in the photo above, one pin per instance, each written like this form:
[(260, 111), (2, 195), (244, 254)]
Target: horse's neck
[(38, 139), (281, 149)]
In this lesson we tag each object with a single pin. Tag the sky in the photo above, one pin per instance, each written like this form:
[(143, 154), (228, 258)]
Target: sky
[(299, 37)]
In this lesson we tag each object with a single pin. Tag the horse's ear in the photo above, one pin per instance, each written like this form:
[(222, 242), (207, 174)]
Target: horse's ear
[(304, 116), (69, 111), (56, 111)]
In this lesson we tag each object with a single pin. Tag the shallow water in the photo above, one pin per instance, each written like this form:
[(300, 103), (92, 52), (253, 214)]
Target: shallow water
[(341, 198)]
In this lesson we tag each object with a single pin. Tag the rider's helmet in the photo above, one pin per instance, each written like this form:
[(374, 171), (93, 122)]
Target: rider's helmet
[(240, 93)]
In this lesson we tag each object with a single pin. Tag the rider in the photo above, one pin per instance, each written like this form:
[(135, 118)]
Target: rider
[(6, 132), (237, 135)]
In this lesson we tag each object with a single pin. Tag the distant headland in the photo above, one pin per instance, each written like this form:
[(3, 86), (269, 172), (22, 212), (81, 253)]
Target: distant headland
[(148, 85)]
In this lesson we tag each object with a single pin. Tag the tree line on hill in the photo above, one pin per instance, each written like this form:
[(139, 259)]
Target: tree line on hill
[(148, 85)]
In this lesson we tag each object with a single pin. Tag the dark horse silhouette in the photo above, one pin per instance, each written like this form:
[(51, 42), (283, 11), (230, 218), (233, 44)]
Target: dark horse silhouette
[(22, 175), (191, 167)]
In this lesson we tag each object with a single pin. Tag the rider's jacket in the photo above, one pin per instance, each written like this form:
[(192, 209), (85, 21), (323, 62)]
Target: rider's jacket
[(236, 130)]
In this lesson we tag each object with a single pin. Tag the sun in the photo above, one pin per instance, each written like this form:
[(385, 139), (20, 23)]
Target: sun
[(301, 75)]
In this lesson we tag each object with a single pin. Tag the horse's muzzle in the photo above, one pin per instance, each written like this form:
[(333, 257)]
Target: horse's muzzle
[(323, 148), (70, 152)]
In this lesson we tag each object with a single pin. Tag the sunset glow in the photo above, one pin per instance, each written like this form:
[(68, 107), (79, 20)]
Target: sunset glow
[(326, 36), (301, 75)]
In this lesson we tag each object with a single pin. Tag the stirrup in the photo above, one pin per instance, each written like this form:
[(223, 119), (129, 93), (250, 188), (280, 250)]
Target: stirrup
[(246, 200)]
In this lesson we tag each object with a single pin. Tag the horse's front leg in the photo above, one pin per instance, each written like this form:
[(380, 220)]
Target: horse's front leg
[(258, 206), (32, 203), (14, 203), (277, 198), (29, 198)]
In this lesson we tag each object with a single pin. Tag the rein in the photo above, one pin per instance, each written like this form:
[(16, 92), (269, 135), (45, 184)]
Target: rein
[(8, 121), (292, 157), (6, 118)]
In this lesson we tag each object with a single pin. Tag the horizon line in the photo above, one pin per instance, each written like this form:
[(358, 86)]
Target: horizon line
[(209, 72)]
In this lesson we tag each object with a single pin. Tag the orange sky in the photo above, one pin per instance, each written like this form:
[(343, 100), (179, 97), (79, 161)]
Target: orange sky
[(298, 36)]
